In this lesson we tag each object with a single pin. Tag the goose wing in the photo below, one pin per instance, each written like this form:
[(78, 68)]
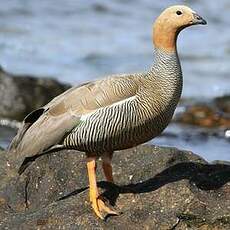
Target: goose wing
[(48, 125)]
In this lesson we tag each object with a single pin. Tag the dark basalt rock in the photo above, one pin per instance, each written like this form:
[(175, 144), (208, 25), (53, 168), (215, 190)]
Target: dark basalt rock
[(157, 188), (19, 95)]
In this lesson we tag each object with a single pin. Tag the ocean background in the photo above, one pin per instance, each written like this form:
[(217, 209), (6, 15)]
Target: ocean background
[(78, 40)]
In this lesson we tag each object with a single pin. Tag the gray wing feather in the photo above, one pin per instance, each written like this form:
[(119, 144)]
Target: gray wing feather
[(47, 126)]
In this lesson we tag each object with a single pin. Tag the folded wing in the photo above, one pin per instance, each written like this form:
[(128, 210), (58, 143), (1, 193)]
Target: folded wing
[(47, 126)]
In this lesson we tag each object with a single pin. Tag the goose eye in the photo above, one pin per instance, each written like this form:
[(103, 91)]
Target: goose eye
[(178, 12)]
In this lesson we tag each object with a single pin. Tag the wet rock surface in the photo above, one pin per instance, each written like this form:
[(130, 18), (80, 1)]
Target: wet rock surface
[(207, 114), (156, 188), (19, 95), (223, 103)]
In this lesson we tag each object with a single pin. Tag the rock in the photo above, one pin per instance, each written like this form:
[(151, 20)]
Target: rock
[(20, 95), (223, 103), (207, 114), (156, 188)]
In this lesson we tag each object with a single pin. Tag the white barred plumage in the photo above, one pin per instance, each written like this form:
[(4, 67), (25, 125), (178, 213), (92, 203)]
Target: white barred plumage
[(136, 119)]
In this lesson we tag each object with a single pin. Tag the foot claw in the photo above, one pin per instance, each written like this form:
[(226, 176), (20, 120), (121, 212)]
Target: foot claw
[(100, 209)]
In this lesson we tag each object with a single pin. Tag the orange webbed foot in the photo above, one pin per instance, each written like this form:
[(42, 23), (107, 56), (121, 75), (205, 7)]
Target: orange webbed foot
[(98, 205), (101, 209)]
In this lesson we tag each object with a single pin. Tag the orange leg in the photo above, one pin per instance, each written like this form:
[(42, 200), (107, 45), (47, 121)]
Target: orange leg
[(98, 205), (107, 168)]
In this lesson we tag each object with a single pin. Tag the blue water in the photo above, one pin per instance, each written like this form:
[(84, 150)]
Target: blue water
[(79, 40)]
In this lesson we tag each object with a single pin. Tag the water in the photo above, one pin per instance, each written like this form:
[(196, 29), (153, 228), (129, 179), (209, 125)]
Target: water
[(6, 135), (78, 40), (211, 147)]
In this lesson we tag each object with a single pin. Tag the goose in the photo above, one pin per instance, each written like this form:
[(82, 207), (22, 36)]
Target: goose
[(114, 113)]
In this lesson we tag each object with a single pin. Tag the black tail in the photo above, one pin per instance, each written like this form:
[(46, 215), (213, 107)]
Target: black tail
[(27, 122)]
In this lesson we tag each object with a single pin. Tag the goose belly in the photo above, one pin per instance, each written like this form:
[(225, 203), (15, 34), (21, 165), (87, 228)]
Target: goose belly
[(114, 128)]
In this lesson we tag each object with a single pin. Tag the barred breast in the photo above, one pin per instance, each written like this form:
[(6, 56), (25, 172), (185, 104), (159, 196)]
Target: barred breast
[(134, 120), (117, 127), (107, 129)]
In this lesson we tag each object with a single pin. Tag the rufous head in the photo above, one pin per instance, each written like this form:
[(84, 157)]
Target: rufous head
[(170, 22)]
